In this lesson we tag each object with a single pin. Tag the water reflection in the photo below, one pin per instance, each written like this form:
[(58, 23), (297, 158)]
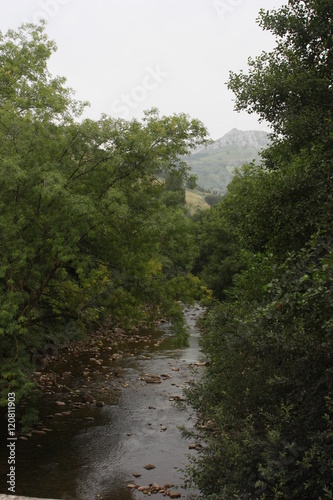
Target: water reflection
[(94, 452)]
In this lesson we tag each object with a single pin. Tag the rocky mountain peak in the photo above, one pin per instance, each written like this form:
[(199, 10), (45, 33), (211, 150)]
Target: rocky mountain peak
[(256, 139), (214, 165)]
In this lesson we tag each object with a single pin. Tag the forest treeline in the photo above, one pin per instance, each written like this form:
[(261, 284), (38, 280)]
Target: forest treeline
[(265, 402), (92, 221)]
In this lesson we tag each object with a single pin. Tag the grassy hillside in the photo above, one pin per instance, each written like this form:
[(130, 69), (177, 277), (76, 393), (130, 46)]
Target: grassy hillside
[(214, 165), (195, 200), (214, 168)]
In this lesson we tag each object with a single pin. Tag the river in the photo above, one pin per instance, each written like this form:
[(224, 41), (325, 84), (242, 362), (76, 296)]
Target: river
[(86, 452)]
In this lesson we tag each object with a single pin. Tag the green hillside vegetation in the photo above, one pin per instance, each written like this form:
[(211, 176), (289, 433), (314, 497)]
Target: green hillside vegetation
[(215, 168), (195, 201)]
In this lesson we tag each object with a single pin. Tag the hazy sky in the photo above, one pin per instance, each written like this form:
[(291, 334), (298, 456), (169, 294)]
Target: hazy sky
[(125, 56)]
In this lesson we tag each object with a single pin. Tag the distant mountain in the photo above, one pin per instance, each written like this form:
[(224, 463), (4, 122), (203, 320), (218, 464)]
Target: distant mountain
[(214, 165), (255, 139)]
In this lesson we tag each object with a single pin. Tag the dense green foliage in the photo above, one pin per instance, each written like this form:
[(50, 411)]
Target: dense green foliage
[(265, 403), (291, 87), (219, 256), (87, 229)]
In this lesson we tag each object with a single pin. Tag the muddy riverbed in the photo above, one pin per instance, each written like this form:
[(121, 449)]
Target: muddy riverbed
[(111, 426)]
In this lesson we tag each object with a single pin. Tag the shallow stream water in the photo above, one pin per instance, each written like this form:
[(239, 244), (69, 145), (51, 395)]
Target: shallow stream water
[(91, 452)]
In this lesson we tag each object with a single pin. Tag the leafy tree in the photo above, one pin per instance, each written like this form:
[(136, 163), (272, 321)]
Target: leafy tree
[(279, 210), (218, 258), (213, 199), (265, 403), (174, 189), (191, 182), (80, 210), (291, 87)]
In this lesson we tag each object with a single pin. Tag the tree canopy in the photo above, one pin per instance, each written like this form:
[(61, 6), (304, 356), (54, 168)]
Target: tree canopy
[(265, 403), (81, 208), (291, 87)]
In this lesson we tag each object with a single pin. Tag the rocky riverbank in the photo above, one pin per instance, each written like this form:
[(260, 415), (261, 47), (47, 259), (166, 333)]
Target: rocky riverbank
[(110, 418)]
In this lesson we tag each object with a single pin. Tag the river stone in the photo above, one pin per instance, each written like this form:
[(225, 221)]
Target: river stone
[(168, 485), (174, 494), (115, 356), (38, 433), (78, 405), (153, 380), (178, 398), (155, 488), (200, 363), (95, 360), (149, 466), (143, 488)]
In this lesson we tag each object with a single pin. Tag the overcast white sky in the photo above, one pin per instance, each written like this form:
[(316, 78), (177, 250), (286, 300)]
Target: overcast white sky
[(125, 56)]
